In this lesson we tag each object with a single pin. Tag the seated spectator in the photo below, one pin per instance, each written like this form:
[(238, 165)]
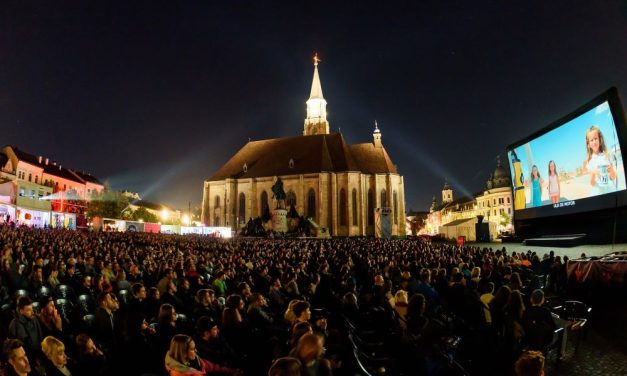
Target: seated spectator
[(53, 278), (486, 297), (206, 305), (400, 306), (258, 315), (56, 362), (166, 326), (25, 327), (106, 326), (530, 363), (89, 358), (51, 320), (17, 360), (211, 346), (153, 304), (302, 311), (309, 351), (171, 297), (538, 322), (181, 359)]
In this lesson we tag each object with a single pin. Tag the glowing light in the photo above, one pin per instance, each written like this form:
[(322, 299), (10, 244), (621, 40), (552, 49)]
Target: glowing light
[(186, 220), (165, 214)]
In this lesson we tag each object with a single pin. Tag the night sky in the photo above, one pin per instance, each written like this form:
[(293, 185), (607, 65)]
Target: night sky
[(154, 96)]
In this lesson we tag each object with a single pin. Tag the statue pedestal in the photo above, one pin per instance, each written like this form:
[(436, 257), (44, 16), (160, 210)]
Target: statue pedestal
[(279, 220)]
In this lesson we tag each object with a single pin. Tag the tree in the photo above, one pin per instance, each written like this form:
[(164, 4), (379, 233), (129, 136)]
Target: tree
[(106, 204), (142, 214), (505, 219)]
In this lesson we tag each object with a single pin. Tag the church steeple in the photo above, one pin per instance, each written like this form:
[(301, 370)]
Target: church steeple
[(376, 135), (316, 121)]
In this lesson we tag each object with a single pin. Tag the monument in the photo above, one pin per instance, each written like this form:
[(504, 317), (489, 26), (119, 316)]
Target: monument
[(279, 213)]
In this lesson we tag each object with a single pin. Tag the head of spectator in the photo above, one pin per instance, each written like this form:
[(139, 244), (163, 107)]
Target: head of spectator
[(108, 302), (530, 363), (182, 351), (167, 315), (401, 298), (417, 305), (516, 306), (349, 301), (153, 293), (300, 329), (285, 367), (379, 280), (537, 298), (289, 312), (85, 346), (310, 348), (501, 299), (14, 353), (207, 328), (244, 289), (139, 291), (25, 307), (54, 350), (257, 300), (302, 311)]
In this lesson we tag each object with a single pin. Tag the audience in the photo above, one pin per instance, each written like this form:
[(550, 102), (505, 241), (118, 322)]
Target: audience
[(231, 294)]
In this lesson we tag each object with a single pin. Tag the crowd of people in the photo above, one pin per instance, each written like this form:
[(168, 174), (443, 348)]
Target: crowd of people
[(101, 303)]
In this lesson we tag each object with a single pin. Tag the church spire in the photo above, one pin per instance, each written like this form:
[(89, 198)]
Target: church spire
[(376, 135), (316, 121)]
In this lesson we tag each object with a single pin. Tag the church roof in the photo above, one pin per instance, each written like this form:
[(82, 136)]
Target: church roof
[(310, 154)]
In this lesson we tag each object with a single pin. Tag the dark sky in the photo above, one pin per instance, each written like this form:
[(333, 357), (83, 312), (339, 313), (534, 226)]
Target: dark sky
[(154, 96)]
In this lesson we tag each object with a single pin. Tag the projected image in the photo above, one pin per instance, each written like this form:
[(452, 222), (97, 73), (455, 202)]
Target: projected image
[(577, 160)]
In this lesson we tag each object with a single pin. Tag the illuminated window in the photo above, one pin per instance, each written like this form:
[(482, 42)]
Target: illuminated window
[(22, 192)]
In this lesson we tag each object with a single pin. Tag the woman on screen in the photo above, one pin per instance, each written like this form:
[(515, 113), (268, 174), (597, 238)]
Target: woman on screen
[(598, 163), (554, 183), (536, 184)]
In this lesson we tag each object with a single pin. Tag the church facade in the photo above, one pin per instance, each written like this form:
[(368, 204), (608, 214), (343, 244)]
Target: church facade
[(342, 187)]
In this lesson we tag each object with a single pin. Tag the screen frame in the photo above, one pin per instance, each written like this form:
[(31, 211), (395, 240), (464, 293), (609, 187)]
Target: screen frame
[(602, 202)]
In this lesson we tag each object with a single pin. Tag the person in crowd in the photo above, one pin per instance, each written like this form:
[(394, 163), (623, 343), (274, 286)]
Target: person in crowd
[(53, 279), (89, 358), (309, 351), (56, 361), (486, 297), (168, 277), (51, 320), (171, 297), (285, 366), (211, 346), (530, 363), (17, 359), (219, 284), (25, 327), (166, 326), (258, 315), (181, 359), (106, 326), (401, 301)]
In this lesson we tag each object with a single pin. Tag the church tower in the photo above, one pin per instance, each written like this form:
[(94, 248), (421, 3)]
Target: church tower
[(316, 121), (376, 135), (447, 193)]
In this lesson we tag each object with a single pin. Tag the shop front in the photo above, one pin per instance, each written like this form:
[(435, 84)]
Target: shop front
[(32, 217)]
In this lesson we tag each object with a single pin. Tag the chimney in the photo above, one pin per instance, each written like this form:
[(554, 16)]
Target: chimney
[(39, 159), (46, 161)]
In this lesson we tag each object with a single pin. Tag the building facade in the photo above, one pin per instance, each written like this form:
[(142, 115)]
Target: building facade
[(42, 193), (341, 187), (457, 217)]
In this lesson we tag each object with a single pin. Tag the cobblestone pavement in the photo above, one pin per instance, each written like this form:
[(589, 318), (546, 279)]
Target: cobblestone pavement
[(602, 351)]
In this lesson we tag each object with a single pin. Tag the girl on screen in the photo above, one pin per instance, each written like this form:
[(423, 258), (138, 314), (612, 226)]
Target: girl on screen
[(598, 163), (554, 183), (536, 187)]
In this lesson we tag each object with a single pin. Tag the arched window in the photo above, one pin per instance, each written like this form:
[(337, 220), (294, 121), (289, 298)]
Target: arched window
[(216, 202), (290, 199), (216, 220), (354, 206), (263, 202), (242, 208), (384, 199), (370, 207), (343, 207), (395, 199), (311, 203)]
